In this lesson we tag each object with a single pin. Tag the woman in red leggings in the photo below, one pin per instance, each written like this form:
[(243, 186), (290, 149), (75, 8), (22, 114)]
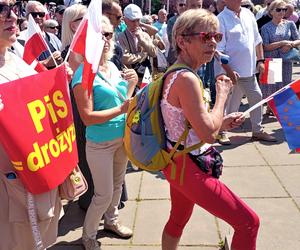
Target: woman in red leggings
[(196, 35)]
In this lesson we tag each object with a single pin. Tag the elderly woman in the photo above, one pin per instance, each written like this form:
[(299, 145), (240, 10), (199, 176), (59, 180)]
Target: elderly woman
[(104, 116), (195, 37), (15, 230), (279, 37)]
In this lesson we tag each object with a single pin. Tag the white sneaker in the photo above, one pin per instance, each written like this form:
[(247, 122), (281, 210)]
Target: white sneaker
[(118, 229)]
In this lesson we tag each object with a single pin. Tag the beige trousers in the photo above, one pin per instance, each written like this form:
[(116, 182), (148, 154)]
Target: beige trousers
[(107, 162)]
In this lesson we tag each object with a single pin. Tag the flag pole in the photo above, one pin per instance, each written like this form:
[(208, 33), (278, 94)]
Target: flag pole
[(268, 98), (149, 7)]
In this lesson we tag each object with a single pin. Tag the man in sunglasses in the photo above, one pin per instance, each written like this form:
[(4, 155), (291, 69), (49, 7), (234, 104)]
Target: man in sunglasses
[(38, 12), (243, 43)]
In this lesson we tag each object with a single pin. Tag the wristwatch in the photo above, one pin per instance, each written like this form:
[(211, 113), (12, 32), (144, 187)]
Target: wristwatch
[(260, 61)]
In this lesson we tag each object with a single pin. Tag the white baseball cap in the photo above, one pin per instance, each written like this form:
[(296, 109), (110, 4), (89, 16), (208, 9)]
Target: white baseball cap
[(133, 12)]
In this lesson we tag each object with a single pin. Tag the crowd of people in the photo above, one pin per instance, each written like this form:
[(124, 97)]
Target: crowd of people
[(207, 96)]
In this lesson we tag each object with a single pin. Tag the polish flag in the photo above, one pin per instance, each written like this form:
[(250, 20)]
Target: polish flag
[(88, 42), (273, 71), (35, 44), (147, 78)]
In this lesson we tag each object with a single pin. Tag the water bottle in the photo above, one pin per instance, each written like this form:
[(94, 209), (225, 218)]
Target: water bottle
[(222, 58)]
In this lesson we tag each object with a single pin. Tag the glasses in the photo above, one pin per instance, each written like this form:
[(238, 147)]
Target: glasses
[(78, 19), (61, 12), (108, 35), (207, 36), (182, 5), (55, 27), (36, 14), (5, 10), (248, 6), (281, 9), (116, 16)]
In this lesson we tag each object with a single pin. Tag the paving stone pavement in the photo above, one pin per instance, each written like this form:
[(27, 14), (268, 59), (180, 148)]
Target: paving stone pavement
[(265, 175)]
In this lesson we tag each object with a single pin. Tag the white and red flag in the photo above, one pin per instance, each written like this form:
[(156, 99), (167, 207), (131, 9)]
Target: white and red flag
[(34, 46), (147, 78), (88, 42), (273, 71)]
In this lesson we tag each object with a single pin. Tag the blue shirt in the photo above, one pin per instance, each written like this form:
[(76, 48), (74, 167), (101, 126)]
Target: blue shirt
[(105, 97)]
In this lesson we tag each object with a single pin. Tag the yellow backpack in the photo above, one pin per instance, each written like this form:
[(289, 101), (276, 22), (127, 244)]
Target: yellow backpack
[(145, 137)]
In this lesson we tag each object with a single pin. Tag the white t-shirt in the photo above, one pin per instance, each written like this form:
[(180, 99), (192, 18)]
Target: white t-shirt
[(240, 38)]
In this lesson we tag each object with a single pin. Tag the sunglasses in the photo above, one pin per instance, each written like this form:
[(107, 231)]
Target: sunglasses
[(36, 14), (182, 5), (117, 17), (108, 35), (281, 9), (55, 27), (207, 36), (248, 6), (5, 10)]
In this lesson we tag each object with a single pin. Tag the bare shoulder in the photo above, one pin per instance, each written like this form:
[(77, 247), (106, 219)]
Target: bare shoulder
[(183, 78)]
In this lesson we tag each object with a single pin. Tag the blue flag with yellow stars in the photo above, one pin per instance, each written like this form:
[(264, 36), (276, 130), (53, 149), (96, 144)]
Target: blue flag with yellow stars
[(288, 113)]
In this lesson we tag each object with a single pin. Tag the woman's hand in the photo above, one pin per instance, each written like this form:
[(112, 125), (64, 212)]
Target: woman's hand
[(125, 105), (223, 84), (1, 104), (69, 72), (131, 76), (232, 120), (286, 46)]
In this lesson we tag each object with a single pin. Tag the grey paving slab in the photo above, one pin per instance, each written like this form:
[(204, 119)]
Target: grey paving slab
[(151, 217), (289, 177), (201, 229), (156, 248), (70, 229), (297, 200), (278, 153), (279, 224), (133, 181), (253, 182), (154, 186), (241, 154)]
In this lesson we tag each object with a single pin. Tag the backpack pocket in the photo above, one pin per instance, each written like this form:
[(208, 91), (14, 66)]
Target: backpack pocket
[(144, 147)]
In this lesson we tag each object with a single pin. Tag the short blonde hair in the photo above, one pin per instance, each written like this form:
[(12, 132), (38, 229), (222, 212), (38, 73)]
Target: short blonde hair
[(191, 19), (108, 27), (71, 13), (276, 4)]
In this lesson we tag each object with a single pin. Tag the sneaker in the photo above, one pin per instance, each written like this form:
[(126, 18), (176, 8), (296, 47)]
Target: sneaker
[(263, 136), (118, 229), (90, 244), (223, 139)]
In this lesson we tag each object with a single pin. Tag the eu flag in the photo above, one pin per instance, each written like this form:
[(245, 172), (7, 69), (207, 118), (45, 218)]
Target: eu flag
[(288, 113)]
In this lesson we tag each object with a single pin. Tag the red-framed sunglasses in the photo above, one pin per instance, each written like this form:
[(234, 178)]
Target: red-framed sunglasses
[(207, 36)]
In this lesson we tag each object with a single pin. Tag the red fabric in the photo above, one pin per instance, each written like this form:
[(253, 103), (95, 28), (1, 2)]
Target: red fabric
[(212, 195), (79, 46), (37, 131), (40, 67), (33, 48), (264, 77), (296, 88)]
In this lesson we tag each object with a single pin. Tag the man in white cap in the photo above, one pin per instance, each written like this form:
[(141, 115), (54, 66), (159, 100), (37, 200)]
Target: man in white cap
[(137, 45)]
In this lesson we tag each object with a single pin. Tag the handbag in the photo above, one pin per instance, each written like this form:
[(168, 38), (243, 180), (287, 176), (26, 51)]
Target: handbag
[(210, 162), (74, 185), (291, 56)]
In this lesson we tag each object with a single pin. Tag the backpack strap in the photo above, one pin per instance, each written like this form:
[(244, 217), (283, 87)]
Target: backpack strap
[(184, 135)]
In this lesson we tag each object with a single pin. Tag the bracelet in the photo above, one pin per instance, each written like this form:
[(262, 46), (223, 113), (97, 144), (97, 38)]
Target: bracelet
[(259, 61)]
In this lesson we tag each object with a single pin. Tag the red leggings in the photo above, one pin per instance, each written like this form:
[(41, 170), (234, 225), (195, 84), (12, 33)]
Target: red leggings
[(215, 197)]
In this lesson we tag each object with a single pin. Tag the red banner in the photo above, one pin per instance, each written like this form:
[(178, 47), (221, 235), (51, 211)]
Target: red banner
[(37, 129)]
